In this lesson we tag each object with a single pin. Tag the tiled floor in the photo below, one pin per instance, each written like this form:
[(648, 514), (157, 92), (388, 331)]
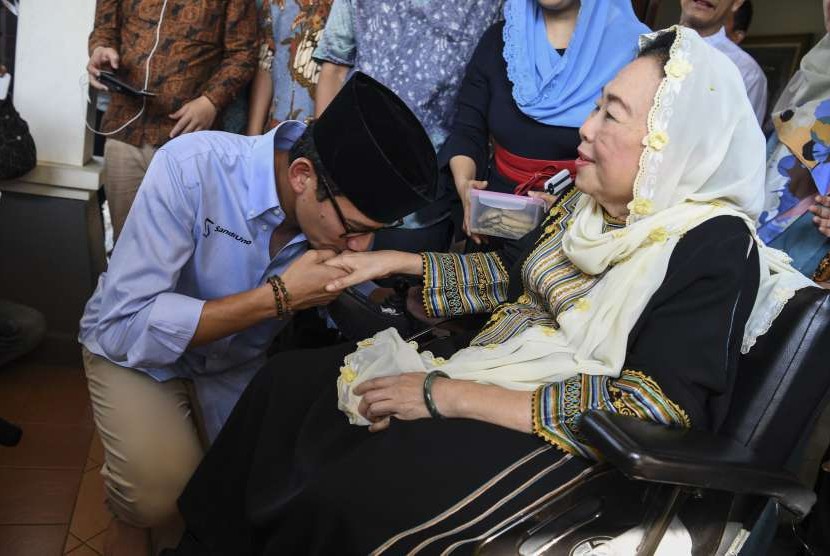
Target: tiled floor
[(51, 491)]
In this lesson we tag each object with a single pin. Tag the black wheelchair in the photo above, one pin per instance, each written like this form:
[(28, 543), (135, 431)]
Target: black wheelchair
[(728, 488)]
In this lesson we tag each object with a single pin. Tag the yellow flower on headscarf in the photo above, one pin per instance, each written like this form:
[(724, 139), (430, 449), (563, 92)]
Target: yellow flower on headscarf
[(678, 69), (641, 206), (366, 343), (658, 235), (347, 374), (582, 304), (656, 140)]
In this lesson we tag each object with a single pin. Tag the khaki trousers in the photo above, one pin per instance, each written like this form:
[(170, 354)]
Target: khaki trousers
[(124, 167), (152, 444)]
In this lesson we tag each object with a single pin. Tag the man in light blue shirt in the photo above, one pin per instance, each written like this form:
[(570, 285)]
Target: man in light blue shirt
[(182, 319)]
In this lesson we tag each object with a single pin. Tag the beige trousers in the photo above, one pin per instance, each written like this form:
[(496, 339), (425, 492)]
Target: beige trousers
[(152, 445), (124, 167)]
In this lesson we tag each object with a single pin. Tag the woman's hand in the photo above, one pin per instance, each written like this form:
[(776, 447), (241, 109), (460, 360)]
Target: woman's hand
[(464, 187), (307, 278), (821, 210), (362, 267), (400, 396), (546, 197), (463, 169)]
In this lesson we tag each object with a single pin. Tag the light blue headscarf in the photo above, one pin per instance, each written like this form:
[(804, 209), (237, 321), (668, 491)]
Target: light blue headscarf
[(561, 90)]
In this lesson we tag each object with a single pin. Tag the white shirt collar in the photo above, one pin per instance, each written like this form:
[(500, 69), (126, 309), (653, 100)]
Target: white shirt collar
[(720, 36)]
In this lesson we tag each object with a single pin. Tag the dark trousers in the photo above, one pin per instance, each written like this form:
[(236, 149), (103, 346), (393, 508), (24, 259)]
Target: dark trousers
[(21, 330)]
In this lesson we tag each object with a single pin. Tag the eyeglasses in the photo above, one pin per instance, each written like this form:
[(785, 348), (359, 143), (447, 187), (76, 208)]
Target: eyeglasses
[(350, 230)]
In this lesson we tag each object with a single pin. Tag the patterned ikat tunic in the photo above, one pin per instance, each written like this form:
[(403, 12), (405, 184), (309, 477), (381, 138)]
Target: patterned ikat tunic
[(457, 285)]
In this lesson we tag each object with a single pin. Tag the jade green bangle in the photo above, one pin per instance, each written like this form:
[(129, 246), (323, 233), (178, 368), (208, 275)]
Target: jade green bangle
[(433, 411)]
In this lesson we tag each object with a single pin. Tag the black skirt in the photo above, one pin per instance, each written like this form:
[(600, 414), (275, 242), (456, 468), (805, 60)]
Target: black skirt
[(288, 474)]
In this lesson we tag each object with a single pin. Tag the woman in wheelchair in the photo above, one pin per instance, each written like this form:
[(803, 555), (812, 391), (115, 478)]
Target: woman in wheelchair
[(636, 295)]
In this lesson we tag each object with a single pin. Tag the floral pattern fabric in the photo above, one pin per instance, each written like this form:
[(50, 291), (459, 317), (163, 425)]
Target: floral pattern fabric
[(289, 33), (417, 48)]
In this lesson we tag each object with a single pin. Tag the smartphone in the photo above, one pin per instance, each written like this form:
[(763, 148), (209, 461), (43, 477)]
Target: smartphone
[(115, 85), (558, 183)]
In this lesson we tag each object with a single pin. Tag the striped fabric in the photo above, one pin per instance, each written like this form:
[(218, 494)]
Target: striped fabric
[(457, 285), (552, 283), (558, 406)]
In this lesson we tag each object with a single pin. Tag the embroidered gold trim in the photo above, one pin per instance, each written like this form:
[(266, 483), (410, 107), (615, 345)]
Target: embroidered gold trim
[(539, 430), (626, 409), (426, 272)]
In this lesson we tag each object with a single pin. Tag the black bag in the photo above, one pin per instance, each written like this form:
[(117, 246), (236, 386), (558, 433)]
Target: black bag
[(17, 148)]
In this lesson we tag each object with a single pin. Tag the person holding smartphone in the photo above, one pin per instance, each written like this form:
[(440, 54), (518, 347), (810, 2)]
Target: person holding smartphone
[(195, 57)]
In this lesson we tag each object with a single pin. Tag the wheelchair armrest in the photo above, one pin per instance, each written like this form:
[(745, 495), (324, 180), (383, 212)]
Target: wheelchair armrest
[(692, 458)]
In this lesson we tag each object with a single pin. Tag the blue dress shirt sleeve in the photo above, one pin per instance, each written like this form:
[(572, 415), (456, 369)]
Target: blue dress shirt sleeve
[(143, 322), (338, 45)]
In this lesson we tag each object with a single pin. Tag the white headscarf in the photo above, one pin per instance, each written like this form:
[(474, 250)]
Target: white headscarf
[(703, 157)]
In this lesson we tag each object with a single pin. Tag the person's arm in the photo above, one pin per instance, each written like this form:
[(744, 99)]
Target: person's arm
[(305, 280), (262, 94), (466, 151), (143, 321), (454, 284), (332, 77), (240, 55), (262, 87), (335, 53), (668, 358), (104, 41)]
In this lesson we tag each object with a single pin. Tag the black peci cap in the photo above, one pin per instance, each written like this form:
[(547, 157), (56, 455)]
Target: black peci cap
[(376, 151)]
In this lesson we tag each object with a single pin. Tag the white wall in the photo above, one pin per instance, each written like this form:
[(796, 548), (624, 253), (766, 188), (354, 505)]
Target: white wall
[(771, 17), (50, 60)]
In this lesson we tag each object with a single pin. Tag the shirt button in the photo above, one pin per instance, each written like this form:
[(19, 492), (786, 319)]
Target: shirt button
[(277, 212), (250, 213), (264, 227)]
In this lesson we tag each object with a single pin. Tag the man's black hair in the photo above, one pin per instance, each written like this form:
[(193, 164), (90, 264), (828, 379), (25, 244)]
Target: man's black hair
[(660, 49), (305, 148), (743, 17)]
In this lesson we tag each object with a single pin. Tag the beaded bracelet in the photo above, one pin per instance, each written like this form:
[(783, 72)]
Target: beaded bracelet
[(430, 403), (285, 297), (281, 299)]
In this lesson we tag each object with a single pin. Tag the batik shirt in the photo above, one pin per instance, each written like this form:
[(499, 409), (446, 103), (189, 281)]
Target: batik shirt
[(289, 33), (205, 49)]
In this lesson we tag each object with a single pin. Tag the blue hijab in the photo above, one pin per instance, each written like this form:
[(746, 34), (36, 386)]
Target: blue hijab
[(561, 90)]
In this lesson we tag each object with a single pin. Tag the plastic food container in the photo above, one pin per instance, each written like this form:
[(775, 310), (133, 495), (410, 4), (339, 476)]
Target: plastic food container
[(504, 215)]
